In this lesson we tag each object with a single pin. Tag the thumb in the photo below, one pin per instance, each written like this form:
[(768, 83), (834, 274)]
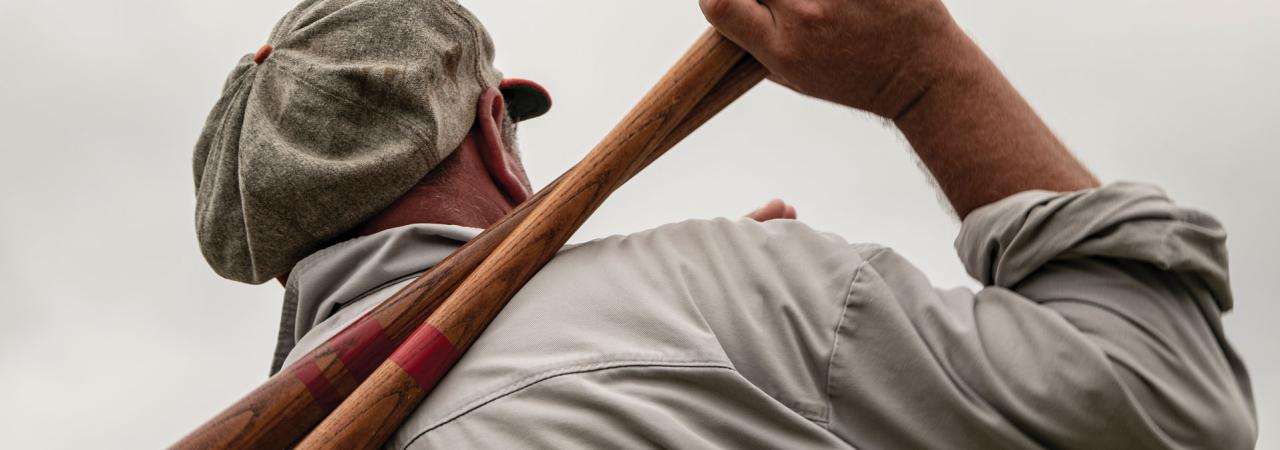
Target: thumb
[(745, 22)]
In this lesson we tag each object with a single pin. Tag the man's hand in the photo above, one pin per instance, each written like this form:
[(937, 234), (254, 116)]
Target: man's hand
[(775, 209), (908, 61), (874, 55)]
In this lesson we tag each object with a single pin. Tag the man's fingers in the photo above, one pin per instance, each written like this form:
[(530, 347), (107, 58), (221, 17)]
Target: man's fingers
[(775, 209), (745, 22)]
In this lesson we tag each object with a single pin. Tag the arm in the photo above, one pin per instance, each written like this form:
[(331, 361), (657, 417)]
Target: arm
[(1099, 325), (981, 141), (909, 62)]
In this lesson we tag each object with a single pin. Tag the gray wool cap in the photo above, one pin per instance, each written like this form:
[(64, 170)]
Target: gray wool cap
[(352, 103)]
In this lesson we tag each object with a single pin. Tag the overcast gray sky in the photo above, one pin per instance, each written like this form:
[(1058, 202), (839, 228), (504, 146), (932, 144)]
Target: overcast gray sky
[(115, 334)]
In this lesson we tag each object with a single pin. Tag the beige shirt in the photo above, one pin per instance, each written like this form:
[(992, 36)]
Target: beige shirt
[(1099, 328)]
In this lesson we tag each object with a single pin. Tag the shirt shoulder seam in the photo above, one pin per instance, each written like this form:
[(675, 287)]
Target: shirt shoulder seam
[(844, 314)]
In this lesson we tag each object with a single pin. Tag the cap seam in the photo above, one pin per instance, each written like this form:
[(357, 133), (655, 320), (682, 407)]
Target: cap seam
[(245, 214), (405, 125), (203, 209), (222, 126), (477, 67), (233, 86)]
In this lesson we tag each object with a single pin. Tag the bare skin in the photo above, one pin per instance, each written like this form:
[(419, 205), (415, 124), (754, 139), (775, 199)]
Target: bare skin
[(475, 186), (909, 62), (480, 182), (905, 60), (774, 210)]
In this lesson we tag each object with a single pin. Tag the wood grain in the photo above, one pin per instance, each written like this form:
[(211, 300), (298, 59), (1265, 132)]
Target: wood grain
[(364, 420), (283, 409)]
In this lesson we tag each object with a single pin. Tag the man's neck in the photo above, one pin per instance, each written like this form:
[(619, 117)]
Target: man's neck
[(439, 206), (458, 192)]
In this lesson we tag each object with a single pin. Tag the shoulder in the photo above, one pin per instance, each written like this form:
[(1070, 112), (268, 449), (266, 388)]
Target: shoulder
[(724, 242), (726, 229), (715, 303), (710, 261)]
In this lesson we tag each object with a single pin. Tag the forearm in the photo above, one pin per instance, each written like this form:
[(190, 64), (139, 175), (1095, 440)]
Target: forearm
[(907, 60), (979, 138)]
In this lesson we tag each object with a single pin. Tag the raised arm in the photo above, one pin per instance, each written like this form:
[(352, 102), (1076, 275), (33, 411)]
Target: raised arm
[(1099, 322), (908, 61)]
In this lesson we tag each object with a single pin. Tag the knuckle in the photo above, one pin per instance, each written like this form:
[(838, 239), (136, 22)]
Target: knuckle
[(787, 55), (811, 12), (714, 9)]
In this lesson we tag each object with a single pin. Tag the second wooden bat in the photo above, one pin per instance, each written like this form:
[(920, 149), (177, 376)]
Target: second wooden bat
[(293, 401)]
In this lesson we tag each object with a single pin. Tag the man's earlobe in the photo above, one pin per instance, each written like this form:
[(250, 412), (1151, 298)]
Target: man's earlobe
[(498, 159)]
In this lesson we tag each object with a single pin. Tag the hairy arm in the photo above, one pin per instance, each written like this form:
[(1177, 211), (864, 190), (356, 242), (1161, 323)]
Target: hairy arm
[(981, 141), (1099, 324), (908, 61)]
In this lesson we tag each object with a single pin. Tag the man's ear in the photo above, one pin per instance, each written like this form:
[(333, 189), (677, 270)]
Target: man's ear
[(500, 161)]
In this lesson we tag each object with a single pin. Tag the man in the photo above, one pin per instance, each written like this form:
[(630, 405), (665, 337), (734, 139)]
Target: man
[(368, 143)]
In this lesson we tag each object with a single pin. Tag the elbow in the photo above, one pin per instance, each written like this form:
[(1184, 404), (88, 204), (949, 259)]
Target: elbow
[(1230, 425), (1223, 421)]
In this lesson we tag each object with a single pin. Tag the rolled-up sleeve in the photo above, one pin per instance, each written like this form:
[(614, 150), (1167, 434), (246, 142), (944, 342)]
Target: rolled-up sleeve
[(1099, 324)]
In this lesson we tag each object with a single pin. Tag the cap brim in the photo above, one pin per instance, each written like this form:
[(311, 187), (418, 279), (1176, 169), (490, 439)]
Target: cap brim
[(525, 99)]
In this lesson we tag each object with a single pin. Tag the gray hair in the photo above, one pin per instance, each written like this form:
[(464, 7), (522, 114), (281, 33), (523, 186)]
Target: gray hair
[(509, 131)]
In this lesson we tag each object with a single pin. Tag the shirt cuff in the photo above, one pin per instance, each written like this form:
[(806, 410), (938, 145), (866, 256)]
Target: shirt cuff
[(1003, 243)]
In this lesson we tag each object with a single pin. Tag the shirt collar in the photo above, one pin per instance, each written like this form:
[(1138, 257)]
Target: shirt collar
[(322, 283)]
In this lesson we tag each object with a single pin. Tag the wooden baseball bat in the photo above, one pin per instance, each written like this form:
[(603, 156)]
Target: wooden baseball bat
[(293, 401), (378, 407)]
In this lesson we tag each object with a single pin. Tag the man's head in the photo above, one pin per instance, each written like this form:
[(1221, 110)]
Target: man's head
[(482, 180), (352, 104)]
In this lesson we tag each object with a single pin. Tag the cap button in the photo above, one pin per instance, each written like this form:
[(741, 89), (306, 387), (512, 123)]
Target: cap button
[(262, 54)]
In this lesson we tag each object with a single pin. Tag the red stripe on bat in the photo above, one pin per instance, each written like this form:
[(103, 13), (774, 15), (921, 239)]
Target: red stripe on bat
[(426, 356), (308, 372), (362, 346)]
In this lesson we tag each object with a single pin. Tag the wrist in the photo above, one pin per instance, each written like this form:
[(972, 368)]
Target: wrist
[(978, 137), (949, 59)]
